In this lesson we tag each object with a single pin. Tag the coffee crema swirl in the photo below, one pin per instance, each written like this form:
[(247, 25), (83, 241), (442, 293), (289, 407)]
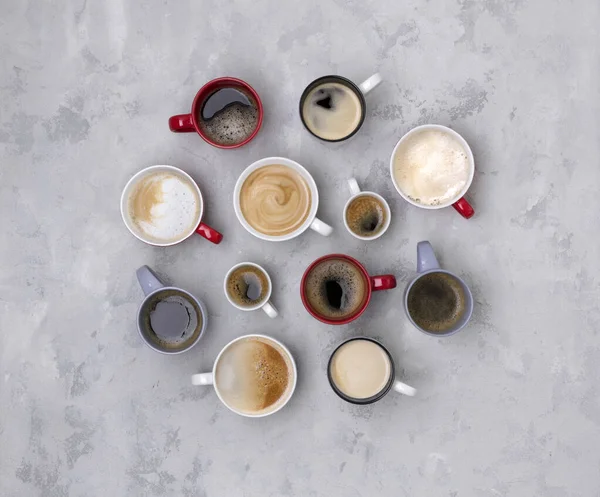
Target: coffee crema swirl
[(275, 200)]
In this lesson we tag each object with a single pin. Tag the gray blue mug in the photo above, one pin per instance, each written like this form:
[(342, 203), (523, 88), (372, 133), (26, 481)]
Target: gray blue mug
[(170, 320), (437, 302)]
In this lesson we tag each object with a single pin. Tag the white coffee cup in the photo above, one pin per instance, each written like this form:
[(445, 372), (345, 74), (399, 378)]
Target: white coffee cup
[(205, 379), (198, 226), (265, 304), (355, 192), (461, 205), (310, 222)]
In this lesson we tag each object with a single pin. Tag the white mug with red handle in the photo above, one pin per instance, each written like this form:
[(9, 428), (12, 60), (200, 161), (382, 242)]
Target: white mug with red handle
[(458, 201)]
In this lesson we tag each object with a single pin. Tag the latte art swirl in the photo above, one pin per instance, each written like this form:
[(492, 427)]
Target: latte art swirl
[(275, 200)]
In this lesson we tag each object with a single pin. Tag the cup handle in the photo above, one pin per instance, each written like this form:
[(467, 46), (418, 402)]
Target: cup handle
[(464, 208), (211, 234), (426, 260), (270, 309), (353, 185), (182, 123), (321, 227), (202, 379), (404, 389), (383, 282), (148, 280), (370, 83)]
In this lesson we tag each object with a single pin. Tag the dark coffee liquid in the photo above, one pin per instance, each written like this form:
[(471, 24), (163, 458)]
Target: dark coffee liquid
[(247, 286), (228, 116), (169, 318), (436, 302), (366, 216), (335, 289)]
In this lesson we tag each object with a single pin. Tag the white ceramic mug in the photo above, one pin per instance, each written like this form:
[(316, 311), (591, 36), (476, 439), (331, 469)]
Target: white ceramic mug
[(310, 222), (265, 304), (461, 205), (206, 379), (355, 192), (198, 226)]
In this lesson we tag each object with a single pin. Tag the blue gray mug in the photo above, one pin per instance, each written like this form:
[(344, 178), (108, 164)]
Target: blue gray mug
[(436, 301), (170, 320)]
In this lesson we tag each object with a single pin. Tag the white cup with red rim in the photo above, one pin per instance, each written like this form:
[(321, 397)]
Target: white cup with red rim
[(462, 206), (195, 224)]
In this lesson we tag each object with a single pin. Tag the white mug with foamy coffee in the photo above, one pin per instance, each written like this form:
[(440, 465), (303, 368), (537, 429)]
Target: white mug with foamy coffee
[(162, 206), (362, 371), (276, 199), (432, 167), (254, 376), (248, 287)]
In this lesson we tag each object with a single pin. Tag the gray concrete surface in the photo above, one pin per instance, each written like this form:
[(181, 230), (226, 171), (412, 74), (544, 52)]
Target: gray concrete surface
[(509, 407)]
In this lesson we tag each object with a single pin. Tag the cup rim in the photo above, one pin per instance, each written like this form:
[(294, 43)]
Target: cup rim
[(348, 319), (388, 211), (201, 95), (368, 400), (125, 198), (201, 306), (269, 292), (454, 134), (282, 347), (346, 81), (465, 286), (267, 161)]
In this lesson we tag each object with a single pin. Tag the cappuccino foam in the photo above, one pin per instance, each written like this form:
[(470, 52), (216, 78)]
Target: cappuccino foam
[(431, 167), (164, 206), (254, 376)]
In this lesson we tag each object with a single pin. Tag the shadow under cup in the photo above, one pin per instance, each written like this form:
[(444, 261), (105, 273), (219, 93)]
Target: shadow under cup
[(170, 320)]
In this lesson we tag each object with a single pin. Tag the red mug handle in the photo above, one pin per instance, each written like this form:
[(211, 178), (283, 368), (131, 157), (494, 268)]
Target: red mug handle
[(464, 208), (182, 123), (211, 234), (383, 282)]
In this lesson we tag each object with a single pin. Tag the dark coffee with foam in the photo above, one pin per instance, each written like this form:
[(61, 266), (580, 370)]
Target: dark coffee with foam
[(366, 216), (437, 302), (336, 289), (248, 286), (228, 116)]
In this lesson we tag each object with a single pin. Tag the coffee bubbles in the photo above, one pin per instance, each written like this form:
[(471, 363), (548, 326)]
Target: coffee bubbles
[(247, 286)]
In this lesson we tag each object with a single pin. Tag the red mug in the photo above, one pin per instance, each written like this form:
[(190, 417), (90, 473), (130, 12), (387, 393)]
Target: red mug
[(371, 284), (188, 123)]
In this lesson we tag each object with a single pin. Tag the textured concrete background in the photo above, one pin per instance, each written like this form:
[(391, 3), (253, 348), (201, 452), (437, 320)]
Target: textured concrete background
[(509, 407)]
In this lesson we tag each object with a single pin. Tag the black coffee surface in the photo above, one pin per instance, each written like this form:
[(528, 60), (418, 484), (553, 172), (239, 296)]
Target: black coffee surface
[(169, 318), (366, 216), (436, 302), (335, 289), (228, 116), (247, 286)]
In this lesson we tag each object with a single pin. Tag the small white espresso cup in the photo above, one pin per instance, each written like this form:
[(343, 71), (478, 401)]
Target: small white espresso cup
[(265, 304), (310, 222), (198, 226), (356, 192), (205, 379)]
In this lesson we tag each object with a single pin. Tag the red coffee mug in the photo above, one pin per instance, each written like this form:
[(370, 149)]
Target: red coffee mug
[(374, 283), (188, 123)]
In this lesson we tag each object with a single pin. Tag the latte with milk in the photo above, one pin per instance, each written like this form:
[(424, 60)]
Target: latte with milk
[(254, 376), (275, 200), (431, 167), (164, 207)]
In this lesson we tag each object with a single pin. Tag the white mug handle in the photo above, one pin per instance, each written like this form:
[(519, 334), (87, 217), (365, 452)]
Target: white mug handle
[(270, 309), (321, 227), (370, 83), (202, 379), (404, 389), (353, 185)]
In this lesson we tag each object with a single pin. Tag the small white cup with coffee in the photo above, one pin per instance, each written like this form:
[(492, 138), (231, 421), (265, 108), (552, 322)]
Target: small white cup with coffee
[(432, 167), (162, 206), (254, 376), (276, 199), (367, 215), (248, 287)]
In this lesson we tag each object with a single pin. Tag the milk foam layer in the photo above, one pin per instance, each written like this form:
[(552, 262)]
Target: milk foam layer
[(431, 167), (164, 206)]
